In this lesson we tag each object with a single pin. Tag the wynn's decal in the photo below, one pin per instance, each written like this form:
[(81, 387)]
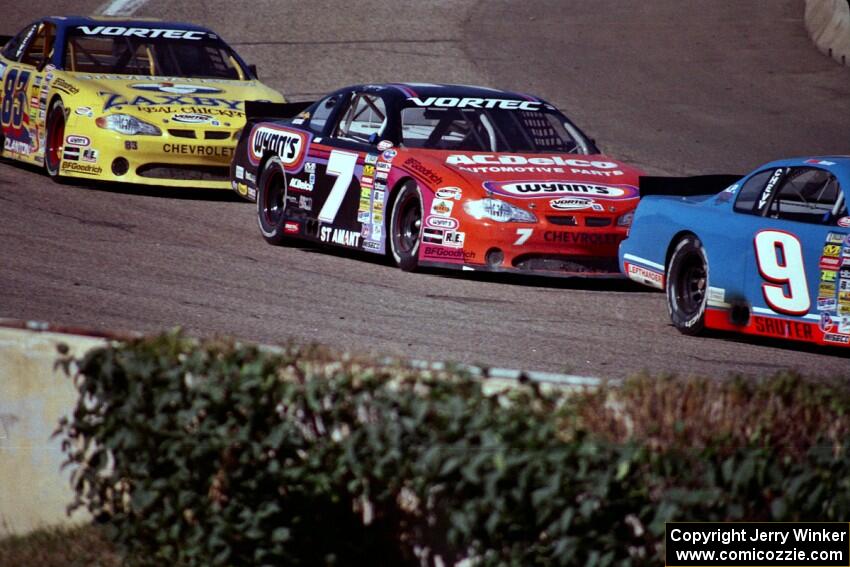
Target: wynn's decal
[(289, 145), (532, 189)]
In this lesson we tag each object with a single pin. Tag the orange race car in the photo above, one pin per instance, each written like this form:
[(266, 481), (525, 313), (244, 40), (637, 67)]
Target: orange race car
[(437, 175)]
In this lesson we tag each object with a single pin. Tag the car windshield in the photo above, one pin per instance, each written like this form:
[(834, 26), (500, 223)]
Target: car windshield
[(116, 50), (490, 130)]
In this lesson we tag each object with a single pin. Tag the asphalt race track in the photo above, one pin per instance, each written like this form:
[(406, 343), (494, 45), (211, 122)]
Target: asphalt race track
[(675, 87)]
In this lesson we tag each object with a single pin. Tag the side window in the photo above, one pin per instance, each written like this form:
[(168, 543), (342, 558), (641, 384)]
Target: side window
[(322, 112), (15, 47), (808, 194), (365, 119), (750, 194), (41, 47)]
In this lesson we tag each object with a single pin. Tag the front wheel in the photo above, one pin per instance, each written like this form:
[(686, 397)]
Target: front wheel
[(271, 202), (55, 139), (406, 227), (687, 284)]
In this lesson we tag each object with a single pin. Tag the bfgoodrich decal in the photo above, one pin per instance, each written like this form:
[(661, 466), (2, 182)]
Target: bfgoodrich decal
[(532, 189)]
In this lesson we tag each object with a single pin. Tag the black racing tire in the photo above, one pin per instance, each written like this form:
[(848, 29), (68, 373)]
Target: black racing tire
[(687, 285), (271, 202), (405, 230), (54, 141)]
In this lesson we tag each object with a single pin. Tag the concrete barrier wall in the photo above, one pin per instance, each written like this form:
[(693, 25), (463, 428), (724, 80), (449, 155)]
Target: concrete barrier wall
[(33, 396), (828, 24)]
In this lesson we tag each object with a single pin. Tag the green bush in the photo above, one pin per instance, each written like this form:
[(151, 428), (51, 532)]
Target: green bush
[(215, 453)]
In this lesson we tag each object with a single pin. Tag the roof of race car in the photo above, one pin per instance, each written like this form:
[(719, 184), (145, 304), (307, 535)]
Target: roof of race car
[(828, 162), (423, 90), (73, 21)]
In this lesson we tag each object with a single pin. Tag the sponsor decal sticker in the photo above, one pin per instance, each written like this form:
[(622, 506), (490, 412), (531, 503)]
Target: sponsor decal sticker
[(340, 236), (571, 204), (582, 238), (417, 166), (77, 141), (131, 145), (447, 223), (87, 169), (444, 254), (826, 324), (533, 189), (454, 102), (196, 150), (384, 166), (644, 275), (827, 304), (305, 203), (167, 33), (449, 193), (820, 162), (372, 158), (84, 111), (783, 328), (369, 170), (389, 155), (829, 263), (364, 217), (195, 119), (239, 172), (291, 227), (300, 184), (384, 145), (289, 145), (454, 238), (843, 222), (442, 207), (175, 88)]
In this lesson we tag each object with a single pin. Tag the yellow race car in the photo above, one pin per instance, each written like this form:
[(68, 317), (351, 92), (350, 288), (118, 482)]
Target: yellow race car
[(136, 101)]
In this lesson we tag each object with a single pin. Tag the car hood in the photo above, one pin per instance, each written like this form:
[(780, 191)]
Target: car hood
[(164, 98), (520, 177)]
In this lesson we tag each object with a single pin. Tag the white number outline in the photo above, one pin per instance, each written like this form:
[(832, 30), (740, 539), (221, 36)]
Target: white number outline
[(340, 165), (777, 277), (524, 234)]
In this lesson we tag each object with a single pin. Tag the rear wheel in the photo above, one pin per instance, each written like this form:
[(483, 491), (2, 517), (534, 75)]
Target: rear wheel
[(271, 202), (406, 227), (687, 284), (55, 139)]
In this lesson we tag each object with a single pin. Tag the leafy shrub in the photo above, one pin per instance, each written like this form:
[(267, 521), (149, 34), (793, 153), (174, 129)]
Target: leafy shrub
[(216, 453)]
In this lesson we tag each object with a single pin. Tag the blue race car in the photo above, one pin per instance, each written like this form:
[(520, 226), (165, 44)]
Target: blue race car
[(769, 255)]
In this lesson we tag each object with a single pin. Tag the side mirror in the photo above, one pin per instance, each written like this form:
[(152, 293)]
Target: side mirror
[(253, 69)]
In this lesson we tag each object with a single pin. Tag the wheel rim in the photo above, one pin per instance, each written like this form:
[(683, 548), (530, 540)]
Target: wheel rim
[(55, 139), (690, 285), (408, 225), (273, 200)]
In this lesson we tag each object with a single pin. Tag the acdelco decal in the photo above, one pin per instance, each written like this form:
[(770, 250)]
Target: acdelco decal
[(532, 189), (289, 145), (510, 159)]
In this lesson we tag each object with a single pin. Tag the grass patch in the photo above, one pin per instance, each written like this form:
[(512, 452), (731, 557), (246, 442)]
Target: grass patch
[(84, 546)]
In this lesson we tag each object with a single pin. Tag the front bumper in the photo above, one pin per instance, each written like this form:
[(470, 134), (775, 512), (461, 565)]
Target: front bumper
[(542, 248), (192, 157)]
